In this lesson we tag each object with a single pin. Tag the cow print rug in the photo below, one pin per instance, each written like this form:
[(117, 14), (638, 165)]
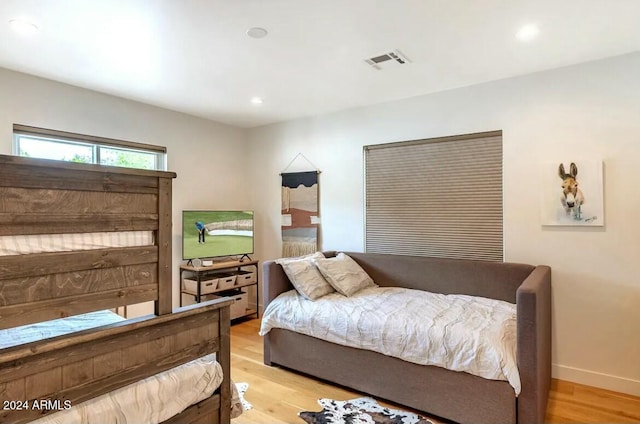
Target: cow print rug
[(360, 411)]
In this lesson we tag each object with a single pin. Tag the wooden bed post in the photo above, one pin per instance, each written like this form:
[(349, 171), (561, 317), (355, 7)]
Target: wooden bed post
[(224, 358), (164, 303)]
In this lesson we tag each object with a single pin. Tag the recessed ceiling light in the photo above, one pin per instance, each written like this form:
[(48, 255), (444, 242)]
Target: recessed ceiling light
[(256, 32), (528, 32), (257, 101), (22, 26)]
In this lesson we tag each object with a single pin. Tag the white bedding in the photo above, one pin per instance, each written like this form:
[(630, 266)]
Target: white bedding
[(41, 243), (458, 332), (57, 327), (148, 401)]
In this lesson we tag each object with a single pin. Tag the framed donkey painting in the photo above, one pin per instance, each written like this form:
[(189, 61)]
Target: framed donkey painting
[(572, 193)]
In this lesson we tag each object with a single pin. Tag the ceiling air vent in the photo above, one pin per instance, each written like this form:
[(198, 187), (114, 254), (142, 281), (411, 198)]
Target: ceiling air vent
[(394, 57)]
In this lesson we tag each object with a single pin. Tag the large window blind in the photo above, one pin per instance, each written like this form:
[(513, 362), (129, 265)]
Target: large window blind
[(437, 197)]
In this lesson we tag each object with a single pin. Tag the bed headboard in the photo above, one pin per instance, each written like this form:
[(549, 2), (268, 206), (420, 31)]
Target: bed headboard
[(49, 199)]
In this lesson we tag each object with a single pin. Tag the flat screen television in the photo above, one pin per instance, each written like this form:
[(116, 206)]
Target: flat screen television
[(211, 234)]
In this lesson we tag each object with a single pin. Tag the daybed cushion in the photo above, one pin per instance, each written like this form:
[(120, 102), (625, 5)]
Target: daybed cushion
[(344, 274), (305, 276)]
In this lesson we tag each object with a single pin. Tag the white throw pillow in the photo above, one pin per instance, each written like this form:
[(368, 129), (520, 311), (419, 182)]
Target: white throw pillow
[(344, 274), (305, 277)]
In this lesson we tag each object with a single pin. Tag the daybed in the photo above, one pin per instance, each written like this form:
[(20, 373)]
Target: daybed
[(77, 238), (457, 396)]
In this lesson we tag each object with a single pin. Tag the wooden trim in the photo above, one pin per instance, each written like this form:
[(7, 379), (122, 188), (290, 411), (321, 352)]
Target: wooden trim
[(47, 223), (52, 286), (75, 179), (60, 201), (53, 165), (165, 291), (225, 362), (65, 135), (19, 266), (26, 313)]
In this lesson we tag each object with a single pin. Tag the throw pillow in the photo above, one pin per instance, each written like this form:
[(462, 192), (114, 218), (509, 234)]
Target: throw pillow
[(344, 274), (305, 277)]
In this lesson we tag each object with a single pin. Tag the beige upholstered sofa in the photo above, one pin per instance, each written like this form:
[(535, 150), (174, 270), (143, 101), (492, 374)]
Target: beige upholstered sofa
[(456, 396)]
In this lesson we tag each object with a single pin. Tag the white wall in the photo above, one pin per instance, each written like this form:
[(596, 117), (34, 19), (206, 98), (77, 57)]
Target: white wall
[(590, 111), (586, 111), (207, 156)]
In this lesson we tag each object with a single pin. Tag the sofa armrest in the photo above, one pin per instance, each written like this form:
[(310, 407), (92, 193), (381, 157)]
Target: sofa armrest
[(274, 282), (533, 300)]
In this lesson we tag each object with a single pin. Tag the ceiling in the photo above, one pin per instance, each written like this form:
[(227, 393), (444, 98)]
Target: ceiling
[(194, 56)]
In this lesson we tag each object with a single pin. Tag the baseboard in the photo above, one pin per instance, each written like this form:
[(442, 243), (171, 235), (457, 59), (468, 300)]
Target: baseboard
[(596, 379)]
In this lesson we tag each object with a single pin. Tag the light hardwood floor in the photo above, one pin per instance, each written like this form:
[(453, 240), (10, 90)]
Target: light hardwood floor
[(278, 395)]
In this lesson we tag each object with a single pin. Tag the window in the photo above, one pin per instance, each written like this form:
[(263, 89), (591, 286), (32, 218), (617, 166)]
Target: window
[(436, 197), (59, 145)]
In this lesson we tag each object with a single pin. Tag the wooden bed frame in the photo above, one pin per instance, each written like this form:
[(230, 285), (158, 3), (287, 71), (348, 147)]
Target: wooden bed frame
[(40, 196)]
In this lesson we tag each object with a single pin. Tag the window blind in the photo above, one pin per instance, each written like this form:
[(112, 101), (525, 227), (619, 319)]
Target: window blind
[(436, 197)]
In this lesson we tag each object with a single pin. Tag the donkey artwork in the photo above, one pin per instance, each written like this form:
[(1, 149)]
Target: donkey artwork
[(571, 197)]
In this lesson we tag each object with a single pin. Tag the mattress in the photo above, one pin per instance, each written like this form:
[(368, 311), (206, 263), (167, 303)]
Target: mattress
[(457, 332), (57, 327), (41, 243), (152, 400)]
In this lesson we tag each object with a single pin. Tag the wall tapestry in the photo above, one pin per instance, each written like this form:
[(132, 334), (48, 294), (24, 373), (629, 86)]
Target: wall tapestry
[(572, 193), (299, 213)]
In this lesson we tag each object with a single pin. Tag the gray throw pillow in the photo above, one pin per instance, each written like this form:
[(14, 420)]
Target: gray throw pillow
[(344, 274), (305, 276)]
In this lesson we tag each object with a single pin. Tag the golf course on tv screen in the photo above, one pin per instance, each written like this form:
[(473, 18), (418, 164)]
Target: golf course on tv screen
[(208, 234)]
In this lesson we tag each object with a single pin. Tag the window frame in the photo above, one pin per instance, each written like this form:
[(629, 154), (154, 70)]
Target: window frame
[(96, 143)]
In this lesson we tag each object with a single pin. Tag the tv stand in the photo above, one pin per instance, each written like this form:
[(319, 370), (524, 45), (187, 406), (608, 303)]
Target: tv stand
[(246, 255), (200, 276)]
